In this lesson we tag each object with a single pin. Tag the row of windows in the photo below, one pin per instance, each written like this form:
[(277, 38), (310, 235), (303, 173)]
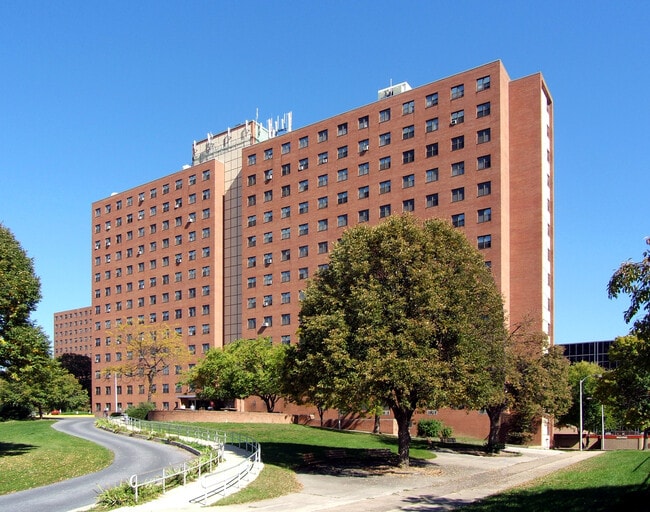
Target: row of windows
[(153, 246), (153, 264), (178, 294), (192, 273), (267, 321), (179, 221), (153, 299), (408, 107), (153, 193), (430, 150), (408, 132), (384, 187), (205, 328)]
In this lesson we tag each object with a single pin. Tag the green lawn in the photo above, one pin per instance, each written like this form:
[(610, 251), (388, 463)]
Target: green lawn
[(32, 454), (612, 481)]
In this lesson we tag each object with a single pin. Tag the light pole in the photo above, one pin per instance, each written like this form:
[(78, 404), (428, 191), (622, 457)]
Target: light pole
[(602, 414)]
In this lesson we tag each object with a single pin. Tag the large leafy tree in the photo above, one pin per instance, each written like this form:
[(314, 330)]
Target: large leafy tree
[(243, 368), (395, 318), (633, 279), (149, 348), (626, 388), (20, 291)]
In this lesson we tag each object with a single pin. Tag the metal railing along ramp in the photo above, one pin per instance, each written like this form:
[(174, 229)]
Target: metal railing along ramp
[(233, 461)]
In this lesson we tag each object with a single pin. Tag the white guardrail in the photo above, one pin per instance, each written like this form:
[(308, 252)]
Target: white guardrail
[(247, 451)]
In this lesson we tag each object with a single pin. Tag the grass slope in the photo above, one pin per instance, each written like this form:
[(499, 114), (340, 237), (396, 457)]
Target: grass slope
[(33, 454)]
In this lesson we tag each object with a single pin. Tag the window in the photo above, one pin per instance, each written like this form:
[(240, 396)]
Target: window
[(363, 122), (286, 319), (285, 169), (457, 143), (303, 164), (384, 187), (364, 169), (205, 175), (252, 323), (285, 276), (268, 237), (252, 241), (484, 189), (458, 168), (384, 211), (303, 273), (322, 136), (457, 194), (483, 83), (364, 215), (268, 196), (432, 149), (484, 241), (303, 251), (252, 159), (303, 229), (457, 117), (322, 158), (342, 175), (285, 191), (431, 100), (458, 220), (285, 233), (458, 91), (384, 139), (268, 216), (285, 212), (342, 198), (408, 132), (483, 109), (484, 215), (251, 200), (303, 142), (483, 136), (268, 154), (432, 200), (342, 152), (322, 248), (384, 115), (303, 186), (364, 192), (286, 148), (364, 145), (268, 175), (408, 107), (342, 129), (268, 279), (431, 175), (431, 125), (342, 220), (408, 205), (483, 162), (322, 225), (251, 180), (408, 181), (252, 261), (384, 163), (285, 254), (322, 202), (323, 180)]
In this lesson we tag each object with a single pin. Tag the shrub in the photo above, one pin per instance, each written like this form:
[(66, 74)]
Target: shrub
[(446, 432), (429, 428), (140, 411)]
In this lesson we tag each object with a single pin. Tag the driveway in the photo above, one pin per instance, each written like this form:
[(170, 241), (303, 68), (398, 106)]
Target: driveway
[(131, 456)]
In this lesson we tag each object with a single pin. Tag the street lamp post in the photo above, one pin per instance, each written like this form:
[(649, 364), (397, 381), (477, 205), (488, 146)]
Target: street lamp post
[(602, 413)]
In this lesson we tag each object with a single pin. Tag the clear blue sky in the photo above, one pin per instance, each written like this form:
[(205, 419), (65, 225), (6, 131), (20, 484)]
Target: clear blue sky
[(100, 97)]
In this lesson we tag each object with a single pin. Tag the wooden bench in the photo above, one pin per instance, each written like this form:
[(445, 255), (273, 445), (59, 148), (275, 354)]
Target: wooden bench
[(337, 454), (309, 458), (449, 440)]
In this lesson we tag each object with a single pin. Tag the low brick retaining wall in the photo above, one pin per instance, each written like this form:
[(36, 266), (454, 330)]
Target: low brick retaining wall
[(220, 416)]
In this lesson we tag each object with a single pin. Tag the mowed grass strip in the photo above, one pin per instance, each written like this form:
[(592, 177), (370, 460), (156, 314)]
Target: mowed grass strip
[(612, 481), (33, 454)]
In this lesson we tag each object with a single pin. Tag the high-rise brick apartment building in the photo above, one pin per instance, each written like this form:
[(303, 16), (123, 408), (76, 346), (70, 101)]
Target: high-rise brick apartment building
[(73, 332), (168, 251), (474, 148), (222, 249)]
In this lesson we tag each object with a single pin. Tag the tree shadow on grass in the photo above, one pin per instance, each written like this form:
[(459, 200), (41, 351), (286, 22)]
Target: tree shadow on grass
[(624, 498), (12, 449)]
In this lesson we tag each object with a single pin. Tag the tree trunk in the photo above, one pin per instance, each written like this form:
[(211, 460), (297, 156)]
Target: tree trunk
[(377, 426), (269, 401), (321, 412), (494, 413), (403, 418)]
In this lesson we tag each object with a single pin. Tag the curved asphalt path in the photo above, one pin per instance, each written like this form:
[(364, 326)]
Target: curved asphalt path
[(131, 456)]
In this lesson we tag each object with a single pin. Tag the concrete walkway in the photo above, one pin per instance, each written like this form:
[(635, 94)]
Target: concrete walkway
[(449, 481)]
